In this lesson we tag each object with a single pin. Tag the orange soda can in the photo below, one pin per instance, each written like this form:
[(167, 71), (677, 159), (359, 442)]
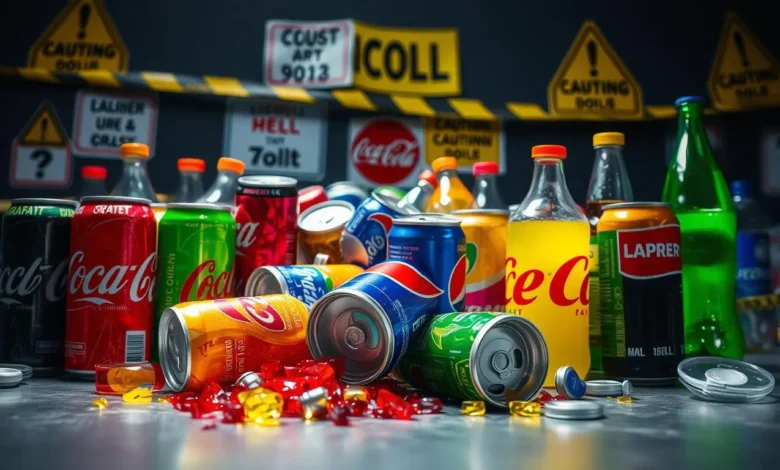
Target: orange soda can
[(219, 340), (319, 231), (485, 231)]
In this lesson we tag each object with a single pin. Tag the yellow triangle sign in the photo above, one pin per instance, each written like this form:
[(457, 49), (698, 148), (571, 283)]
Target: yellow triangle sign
[(745, 74), (592, 82), (81, 37), (44, 129)]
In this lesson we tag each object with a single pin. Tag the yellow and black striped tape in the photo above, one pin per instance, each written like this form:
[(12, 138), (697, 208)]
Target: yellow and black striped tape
[(758, 302), (347, 98)]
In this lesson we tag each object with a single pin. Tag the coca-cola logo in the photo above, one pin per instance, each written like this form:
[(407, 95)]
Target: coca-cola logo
[(210, 287), (21, 281), (259, 311), (650, 252), (525, 287), (385, 151), (246, 234), (93, 284)]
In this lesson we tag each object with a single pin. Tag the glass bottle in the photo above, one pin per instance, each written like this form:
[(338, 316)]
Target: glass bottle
[(451, 194), (93, 181), (486, 195), (419, 196), (223, 190), (190, 179), (135, 180)]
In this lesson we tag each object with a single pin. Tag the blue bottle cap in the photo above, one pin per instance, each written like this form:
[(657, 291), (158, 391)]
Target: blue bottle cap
[(688, 99), (741, 188), (569, 384)]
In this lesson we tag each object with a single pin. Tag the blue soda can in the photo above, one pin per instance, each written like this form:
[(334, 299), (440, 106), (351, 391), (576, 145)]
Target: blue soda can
[(436, 245), (364, 241), (371, 319), (347, 192), (306, 283)]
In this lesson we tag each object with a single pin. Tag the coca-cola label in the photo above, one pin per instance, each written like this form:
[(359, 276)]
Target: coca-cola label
[(649, 252), (18, 282), (99, 284), (256, 309), (204, 283), (384, 151)]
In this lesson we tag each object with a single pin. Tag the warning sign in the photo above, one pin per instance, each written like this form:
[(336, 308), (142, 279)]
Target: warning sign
[(81, 37), (401, 60), (40, 157), (744, 74), (468, 141), (592, 81)]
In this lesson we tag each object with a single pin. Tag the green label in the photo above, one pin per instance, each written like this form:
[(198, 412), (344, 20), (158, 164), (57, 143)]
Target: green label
[(41, 211), (439, 361), (613, 329), (595, 314)]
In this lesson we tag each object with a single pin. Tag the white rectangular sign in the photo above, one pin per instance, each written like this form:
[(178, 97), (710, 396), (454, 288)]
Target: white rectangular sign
[(40, 166), (277, 138), (105, 120), (309, 54)]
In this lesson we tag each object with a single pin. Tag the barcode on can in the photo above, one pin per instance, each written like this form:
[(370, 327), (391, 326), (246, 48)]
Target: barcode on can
[(135, 345)]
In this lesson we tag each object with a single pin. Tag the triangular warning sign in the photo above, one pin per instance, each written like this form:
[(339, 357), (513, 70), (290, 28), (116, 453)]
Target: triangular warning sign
[(44, 128), (592, 82), (81, 37), (745, 74)]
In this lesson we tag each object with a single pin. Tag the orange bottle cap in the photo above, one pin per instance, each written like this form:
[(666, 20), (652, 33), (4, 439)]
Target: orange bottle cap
[(191, 164), (135, 149), (430, 177), (231, 164), (444, 163), (548, 151)]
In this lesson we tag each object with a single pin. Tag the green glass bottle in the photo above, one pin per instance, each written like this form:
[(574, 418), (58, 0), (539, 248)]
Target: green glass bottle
[(700, 198)]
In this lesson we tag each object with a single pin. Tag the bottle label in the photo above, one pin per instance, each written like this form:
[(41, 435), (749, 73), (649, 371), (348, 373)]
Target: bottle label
[(753, 267)]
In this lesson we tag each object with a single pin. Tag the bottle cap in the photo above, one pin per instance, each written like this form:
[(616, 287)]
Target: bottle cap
[(137, 150), (250, 380), (444, 163), (688, 99), (609, 138), (569, 384), (603, 388), (485, 168), (741, 188), (191, 164), (725, 380), (549, 151), (94, 172), (10, 378), (430, 177), (231, 164), (573, 409)]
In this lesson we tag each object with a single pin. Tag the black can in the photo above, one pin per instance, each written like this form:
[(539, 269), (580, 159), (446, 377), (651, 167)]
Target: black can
[(33, 278)]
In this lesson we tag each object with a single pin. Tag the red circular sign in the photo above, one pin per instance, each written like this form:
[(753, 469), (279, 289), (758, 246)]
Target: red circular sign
[(385, 151)]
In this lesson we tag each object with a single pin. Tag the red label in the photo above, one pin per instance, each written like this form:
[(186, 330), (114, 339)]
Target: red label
[(526, 285), (385, 151), (261, 312), (210, 287), (649, 252)]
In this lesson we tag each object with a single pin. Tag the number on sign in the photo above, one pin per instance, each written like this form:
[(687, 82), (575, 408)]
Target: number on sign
[(298, 73)]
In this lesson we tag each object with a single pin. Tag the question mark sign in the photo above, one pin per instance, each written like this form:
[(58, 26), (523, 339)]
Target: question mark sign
[(44, 159)]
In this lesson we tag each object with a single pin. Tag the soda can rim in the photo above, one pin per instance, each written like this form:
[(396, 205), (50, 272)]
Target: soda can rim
[(198, 205), (482, 212), (323, 205), (266, 181), (43, 201), (426, 220), (108, 199), (169, 316), (392, 205), (635, 205), (260, 279)]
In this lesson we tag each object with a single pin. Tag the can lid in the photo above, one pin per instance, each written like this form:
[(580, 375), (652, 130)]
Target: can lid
[(10, 377), (267, 181), (569, 384), (345, 187), (39, 201), (198, 205), (125, 199), (573, 409), (266, 280), (481, 212), (326, 216), (174, 342), (311, 193), (603, 388), (635, 205), (27, 371), (725, 380), (428, 220)]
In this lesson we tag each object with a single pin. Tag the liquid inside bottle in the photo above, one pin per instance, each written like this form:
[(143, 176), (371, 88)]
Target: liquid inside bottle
[(451, 194), (486, 195), (190, 179), (223, 190), (135, 180)]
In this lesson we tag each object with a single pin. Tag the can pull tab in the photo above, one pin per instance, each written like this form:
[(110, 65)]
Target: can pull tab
[(506, 362)]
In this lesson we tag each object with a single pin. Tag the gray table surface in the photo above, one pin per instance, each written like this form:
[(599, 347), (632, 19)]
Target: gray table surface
[(48, 423)]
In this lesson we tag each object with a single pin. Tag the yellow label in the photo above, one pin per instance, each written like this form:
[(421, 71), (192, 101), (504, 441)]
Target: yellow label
[(402, 60), (81, 37), (44, 128), (744, 74), (593, 82), (468, 141)]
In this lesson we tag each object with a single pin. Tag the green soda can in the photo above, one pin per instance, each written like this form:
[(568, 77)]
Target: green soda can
[(195, 253), (390, 191), (478, 356)]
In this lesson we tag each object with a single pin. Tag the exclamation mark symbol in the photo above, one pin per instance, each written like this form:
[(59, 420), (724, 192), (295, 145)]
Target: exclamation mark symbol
[(592, 58), (84, 13), (44, 125), (740, 43)]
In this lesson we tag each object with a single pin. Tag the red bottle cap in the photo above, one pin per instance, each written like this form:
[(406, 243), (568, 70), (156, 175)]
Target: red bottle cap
[(430, 177), (94, 172), (191, 164), (548, 151), (485, 168), (310, 196)]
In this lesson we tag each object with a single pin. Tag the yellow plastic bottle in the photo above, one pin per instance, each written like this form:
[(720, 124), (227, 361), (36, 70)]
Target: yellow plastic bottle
[(451, 194)]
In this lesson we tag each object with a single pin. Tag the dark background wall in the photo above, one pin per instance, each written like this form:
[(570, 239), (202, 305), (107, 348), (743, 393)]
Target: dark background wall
[(509, 52)]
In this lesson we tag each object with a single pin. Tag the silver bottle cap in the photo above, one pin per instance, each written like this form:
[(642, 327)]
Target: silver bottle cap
[(603, 388), (250, 380), (573, 409)]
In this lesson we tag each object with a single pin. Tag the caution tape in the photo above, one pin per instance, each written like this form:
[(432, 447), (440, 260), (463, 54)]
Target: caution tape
[(758, 302), (349, 99)]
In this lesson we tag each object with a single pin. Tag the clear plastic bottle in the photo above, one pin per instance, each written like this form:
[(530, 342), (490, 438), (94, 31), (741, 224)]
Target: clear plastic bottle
[(486, 195), (135, 180), (419, 196), (451, 194), (93, 181), (190, 179), (223, 190), (754, 269)]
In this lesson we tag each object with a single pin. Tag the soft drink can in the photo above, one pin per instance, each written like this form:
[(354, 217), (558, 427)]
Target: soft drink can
[(485, 231), (347, 192), (266, 224), (307, 283), (364, 241), (310, 196), (111, 282), (371, 319), (195, 257), (220, 340), (640, 287), (321, 227), (33, 274), (390, 191), (435, 245), (478, 356)]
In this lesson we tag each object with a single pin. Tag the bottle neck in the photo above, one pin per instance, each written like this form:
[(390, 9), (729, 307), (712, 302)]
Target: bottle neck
[(549, 197), (448, 174), (133, 165), (190, 177), (609, 178), (691, 130)]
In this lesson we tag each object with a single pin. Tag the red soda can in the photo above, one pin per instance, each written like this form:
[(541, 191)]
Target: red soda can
[(266, 224), (110, 283)]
